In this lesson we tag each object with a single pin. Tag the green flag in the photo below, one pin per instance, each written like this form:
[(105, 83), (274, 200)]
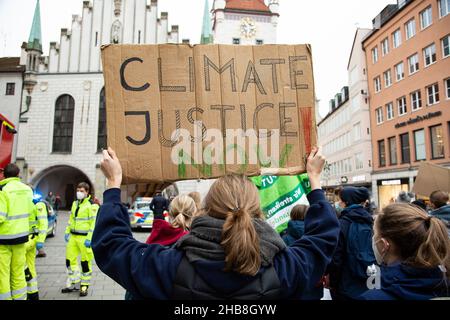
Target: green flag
[(279, 194)]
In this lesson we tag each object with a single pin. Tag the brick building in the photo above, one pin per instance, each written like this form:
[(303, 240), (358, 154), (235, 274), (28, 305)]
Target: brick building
[(408, 70)]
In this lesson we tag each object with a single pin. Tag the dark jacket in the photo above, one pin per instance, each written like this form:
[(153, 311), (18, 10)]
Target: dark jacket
[(343, 284), (443, 213), (163, 233), (158, 205), (402, 282), (148, 271), (295, 230)]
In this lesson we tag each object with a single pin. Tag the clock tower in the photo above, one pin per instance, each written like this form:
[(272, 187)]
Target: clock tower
[(247, 22)]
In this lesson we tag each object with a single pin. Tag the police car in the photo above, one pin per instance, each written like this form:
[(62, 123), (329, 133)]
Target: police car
[(141, 216)]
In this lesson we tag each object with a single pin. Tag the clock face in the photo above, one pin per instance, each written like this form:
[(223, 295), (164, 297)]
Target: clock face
[(248, 27)]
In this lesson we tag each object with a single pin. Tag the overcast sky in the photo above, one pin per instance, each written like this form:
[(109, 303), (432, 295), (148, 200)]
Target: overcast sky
[(328, 25)]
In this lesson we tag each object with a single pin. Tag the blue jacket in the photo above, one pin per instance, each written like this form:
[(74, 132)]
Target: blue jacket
[(148, 271), (402, 282), (340, 280), (443, 213), (295, 230)]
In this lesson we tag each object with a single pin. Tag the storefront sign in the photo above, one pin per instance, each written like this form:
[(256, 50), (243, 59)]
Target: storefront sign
[(359, 178), (428, 116), (391, 182)]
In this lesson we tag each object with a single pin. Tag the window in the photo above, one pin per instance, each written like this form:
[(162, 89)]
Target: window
[(416, 100), (444, 7), (410, 28), (101, 135), (385, 46), (375, 55), (401, 103), (429, 55), (396, 38), (96, 39), (392, 151), (259, 42), (404, 144), (10, 88), (357, 132), (399, 71), (426, 18), (377, 84), (437, 142), (381, 153), (359, 162), (63, 124), (387, 78), (390, 111), (236, 41), (419, 142), (445, 46), (433, 94), (413, 62), (447, 87), (379, 113)]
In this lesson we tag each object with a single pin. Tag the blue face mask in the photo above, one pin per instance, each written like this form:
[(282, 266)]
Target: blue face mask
[(338, 207)]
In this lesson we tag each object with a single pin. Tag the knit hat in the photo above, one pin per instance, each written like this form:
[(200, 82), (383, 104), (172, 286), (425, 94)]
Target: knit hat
[(354, 195)]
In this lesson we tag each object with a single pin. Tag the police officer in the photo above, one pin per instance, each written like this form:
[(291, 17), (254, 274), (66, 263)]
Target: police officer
[(36, 239), (16, 205), (78, 236)]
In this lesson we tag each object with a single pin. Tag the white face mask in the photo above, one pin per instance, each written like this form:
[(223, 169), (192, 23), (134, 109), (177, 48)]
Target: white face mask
[(377, 253), (81, 195)]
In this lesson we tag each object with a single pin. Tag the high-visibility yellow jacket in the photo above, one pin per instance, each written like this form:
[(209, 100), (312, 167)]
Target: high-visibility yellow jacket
[(39, 221), (82, 218), (16, 206)]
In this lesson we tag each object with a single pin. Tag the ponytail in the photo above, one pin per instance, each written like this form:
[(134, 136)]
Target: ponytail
[(241, 243), (435, 249), (422, 241), (235, 199), (182, 209)]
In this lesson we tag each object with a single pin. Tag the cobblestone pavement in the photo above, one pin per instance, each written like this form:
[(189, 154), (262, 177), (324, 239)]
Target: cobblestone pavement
[(52, 271)]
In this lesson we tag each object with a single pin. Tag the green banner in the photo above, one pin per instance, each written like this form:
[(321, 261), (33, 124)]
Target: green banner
[(279, 194)]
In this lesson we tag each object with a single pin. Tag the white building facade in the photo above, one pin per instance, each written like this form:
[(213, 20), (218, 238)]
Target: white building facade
[(63, 125), (250, 22), (345, 132)]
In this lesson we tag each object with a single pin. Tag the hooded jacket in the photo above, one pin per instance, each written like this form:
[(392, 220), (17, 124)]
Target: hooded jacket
[(164, 233), (149, 271), (295, 230), (443, 213), (402, 282), (340, 280)]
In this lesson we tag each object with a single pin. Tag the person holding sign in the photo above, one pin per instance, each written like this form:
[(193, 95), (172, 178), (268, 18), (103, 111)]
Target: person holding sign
[(230, 253)]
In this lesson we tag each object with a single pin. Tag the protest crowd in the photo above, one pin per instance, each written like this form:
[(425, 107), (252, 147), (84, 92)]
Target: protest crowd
[(221, 247)]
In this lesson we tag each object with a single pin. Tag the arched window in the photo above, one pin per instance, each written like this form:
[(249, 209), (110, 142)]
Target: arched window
[(101, 140), (63, 124)]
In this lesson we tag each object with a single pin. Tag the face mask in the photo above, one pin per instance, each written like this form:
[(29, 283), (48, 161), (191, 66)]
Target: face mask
[(377, 254), (80, 195)]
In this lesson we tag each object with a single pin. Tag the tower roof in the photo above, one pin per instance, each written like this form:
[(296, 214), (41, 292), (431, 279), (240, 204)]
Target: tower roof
[(247, 5), (206, 30), (35, 39)]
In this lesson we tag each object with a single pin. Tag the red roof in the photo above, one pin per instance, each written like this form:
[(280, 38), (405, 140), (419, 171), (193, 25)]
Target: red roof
[(247, 5), (11, 64)]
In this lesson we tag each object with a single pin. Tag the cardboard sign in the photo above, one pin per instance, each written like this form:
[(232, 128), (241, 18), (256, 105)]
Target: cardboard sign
[(431, 178), (177, 112)]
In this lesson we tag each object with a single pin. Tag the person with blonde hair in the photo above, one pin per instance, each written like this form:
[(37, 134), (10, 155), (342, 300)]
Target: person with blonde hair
[(413, 250), (230, 252), (181, 211), (197, 198)]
